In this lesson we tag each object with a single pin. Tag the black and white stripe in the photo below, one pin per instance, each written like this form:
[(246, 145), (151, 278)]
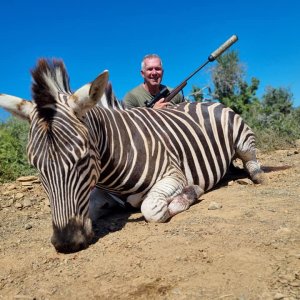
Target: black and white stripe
[(139, 144)]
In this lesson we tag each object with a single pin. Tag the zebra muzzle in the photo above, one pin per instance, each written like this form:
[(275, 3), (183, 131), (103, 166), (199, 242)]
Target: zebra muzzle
[(75, 236)]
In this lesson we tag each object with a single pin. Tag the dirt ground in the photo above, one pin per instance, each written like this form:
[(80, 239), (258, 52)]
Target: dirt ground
[(249, 248)]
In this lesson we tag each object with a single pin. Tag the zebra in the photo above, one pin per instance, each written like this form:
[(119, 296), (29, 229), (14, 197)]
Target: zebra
[(160, 161)]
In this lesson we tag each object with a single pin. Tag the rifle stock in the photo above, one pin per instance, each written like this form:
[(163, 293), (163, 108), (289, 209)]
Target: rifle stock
[(164, 93), (175, 91)]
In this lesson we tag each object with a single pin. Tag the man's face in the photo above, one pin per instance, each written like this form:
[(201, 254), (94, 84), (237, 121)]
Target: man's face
[(152, 72)]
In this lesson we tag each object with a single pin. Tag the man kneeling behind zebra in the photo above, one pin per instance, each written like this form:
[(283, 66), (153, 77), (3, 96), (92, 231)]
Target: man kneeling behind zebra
[(159, 160)]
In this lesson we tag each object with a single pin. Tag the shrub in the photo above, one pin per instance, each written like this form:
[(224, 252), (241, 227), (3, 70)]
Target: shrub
[(274, 130), (13, 141)]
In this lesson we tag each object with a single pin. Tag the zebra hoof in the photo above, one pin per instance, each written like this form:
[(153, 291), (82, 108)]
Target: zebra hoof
[(178, 205), (184, 200), (260, 178)]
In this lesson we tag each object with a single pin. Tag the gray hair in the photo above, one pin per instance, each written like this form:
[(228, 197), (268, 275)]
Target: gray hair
[(150, 56)]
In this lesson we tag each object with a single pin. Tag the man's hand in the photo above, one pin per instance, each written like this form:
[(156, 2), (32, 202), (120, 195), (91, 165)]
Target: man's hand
[(161, 104)]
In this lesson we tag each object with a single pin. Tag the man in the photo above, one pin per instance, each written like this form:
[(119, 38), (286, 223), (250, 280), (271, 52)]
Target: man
[(152, 72)]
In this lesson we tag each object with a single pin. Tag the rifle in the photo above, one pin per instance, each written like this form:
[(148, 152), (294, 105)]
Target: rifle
[(165, 93)]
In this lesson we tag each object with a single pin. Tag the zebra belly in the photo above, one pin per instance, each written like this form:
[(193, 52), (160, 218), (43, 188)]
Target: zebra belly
[(208, 176)]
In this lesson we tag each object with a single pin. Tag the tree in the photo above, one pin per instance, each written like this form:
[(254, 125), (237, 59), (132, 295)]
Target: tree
[(230, 87), (277, 100), (197, 94), (201, 94), (226, 75)]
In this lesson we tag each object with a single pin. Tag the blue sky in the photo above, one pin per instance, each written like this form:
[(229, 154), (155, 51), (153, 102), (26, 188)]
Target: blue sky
[(91, 36)]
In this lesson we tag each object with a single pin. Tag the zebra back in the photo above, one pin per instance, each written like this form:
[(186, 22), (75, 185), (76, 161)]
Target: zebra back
[(138, 144)]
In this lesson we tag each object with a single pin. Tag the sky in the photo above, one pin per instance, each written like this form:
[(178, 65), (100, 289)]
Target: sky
[(91, 36)]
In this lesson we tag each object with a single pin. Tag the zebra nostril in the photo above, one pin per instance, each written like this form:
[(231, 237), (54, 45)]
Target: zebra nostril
[(75, 236), (81, 246), (66, 248)]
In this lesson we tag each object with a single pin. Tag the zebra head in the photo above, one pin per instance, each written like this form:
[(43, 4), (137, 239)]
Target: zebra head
[(59, 147)]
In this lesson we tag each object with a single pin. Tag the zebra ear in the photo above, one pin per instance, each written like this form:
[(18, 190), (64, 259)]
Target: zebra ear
[(19, 107), (98, 87), (87, 96)]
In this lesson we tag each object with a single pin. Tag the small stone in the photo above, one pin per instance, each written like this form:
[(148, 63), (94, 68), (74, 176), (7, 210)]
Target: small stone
[(47, 202), (27, 178), (26, 183), (11, 187), (27, 203), (245, 181), (18, 205), (10, 202), (278, 296), (19, 195), (46, 208), (28, 226), (295, 283), (6, 193), (214, 205), (283, 231), (26, 188)]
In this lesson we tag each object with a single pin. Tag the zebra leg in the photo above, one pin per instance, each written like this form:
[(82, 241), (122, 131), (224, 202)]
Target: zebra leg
[(252, 166), (101, 204), (167, 198), (184, 200), (155, 204)]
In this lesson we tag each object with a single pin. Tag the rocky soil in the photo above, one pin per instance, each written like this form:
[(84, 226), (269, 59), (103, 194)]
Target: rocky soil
[(240, 241)]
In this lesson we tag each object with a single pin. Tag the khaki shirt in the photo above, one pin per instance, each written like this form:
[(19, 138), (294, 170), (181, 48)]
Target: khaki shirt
[(137, 97)]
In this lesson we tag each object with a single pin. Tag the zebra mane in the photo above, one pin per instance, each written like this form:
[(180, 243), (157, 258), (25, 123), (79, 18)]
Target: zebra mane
[(49, 78)]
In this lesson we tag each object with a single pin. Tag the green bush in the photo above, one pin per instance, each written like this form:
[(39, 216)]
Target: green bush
[(13, 141), (274, 131)]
